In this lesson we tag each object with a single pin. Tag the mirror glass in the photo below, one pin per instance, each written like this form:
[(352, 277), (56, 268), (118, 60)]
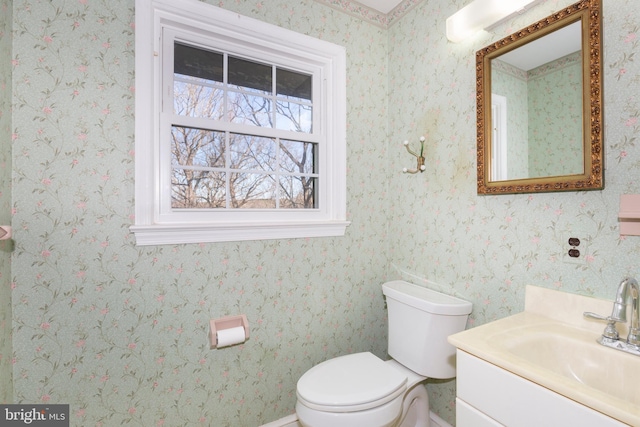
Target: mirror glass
[(539, 106)]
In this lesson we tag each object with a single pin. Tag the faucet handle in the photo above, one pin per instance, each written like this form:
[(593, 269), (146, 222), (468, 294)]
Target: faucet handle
[(597, 316), (610, 330)]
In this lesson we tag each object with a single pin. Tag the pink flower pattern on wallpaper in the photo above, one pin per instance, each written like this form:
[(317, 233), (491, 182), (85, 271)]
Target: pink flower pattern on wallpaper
[(121, 332), (480, 248)]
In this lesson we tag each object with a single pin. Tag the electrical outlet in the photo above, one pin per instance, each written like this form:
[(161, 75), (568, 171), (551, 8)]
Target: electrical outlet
[(574, 249)]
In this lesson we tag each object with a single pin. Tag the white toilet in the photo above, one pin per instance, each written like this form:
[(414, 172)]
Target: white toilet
[(361, 390)]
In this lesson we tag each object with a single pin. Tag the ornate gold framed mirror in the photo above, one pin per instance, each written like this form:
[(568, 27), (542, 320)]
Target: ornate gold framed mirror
[(539, 106)]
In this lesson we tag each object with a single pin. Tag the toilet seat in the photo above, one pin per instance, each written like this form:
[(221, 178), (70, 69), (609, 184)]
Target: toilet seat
[(355, 382)]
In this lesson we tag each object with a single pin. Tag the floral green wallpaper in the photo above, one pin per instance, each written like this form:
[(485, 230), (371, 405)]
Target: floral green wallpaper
[(5, 201), (120, 332), (487, 248)]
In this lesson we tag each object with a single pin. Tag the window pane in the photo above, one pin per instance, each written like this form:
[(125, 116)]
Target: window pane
[(197, 147), (297, 192), (297, 157), (250, 75), (252, 191), (250, 110), (296, 85), (196, 100), (197, 189), (294, 117), (250, 152), (215, 169), (191, 61)]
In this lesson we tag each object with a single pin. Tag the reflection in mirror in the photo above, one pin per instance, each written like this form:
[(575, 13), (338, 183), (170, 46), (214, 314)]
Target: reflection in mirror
[(539, 106), (538, 87)]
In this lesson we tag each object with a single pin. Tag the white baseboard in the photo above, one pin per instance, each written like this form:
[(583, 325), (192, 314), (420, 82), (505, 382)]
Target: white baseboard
[(436, 421), (288, 421), (292, 421)]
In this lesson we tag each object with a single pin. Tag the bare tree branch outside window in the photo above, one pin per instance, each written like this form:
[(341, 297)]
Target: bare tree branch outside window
[(215, 169)]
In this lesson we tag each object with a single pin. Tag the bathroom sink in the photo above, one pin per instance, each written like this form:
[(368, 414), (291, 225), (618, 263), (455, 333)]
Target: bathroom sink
[(575, 355), (561, 357)]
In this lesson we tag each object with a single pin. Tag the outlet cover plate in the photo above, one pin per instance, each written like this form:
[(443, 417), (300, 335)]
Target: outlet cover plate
[(573, 244)]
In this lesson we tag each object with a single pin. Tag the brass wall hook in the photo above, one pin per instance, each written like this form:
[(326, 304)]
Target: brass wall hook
[(420, 157)]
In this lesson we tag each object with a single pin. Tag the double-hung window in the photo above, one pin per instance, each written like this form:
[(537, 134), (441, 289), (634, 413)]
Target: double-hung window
[(240, 128)]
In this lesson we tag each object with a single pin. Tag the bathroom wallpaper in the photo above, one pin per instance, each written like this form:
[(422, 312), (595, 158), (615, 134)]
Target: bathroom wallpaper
[(5, 200), (120, 332), (487, 248)]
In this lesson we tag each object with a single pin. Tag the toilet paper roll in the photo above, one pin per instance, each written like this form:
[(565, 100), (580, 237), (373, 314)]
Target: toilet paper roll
[(231, 336)]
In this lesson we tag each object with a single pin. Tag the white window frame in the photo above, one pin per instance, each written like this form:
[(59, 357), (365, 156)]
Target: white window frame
[(157, 224)]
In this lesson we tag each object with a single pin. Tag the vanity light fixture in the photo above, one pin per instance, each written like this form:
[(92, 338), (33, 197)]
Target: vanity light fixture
[(420, 167), (479, 15)]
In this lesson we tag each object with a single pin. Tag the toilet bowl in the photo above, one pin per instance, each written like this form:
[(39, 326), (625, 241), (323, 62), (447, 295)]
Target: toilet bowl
[(362, 390)]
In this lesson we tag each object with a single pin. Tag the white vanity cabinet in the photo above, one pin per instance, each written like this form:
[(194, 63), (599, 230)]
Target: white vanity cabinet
[(489, 396)]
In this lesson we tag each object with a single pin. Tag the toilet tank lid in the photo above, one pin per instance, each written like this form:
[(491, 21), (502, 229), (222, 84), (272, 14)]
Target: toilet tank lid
[(426, 299)]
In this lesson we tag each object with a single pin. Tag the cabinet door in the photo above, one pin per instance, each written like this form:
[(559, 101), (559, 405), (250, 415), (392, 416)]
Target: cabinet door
[(516, 402)]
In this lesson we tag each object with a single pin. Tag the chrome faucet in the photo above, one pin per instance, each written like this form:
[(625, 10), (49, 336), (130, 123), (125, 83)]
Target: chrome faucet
[(628, 288)]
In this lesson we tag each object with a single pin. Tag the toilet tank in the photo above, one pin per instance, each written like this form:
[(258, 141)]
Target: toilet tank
[(420, 320)]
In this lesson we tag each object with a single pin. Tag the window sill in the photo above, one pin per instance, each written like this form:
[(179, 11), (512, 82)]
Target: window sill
[(161, 234)]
